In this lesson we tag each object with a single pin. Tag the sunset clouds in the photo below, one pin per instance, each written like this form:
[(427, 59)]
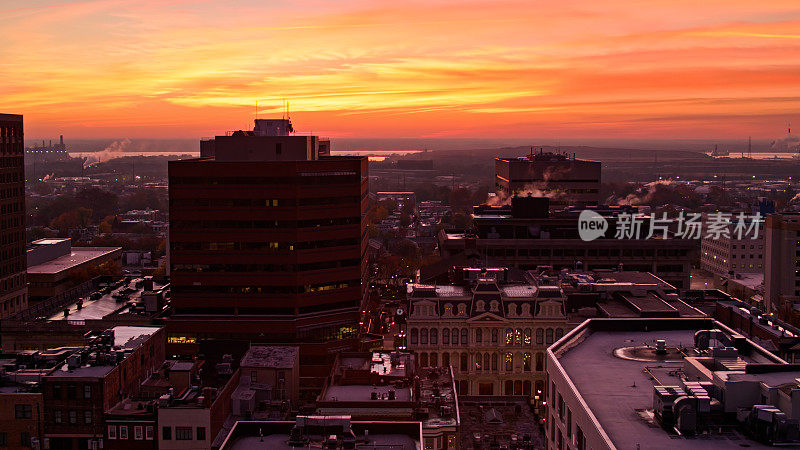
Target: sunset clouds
[(664, 69)]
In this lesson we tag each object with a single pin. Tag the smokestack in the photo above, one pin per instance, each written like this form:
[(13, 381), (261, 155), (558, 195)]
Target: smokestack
[(61, 139)]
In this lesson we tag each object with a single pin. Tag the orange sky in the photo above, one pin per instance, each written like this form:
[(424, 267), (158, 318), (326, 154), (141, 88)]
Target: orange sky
[(543, 68)]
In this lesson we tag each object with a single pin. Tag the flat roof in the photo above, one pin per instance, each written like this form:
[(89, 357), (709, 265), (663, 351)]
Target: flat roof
[(103, 306), (363, 392), (276, 357), (618, 391), (274, 435), (78, 256)]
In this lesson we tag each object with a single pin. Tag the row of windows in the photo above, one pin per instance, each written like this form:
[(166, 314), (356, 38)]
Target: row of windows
[(264, 290), (24, 439), (485, 362), (263, 224), (261, 246), (344, 178), (563, 413), (139, 432), (265, 268), (262, 202), (511, 336), (183, 433), (72, 416), (72, 391)]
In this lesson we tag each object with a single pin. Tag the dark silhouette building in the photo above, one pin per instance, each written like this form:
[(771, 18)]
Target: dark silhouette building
[(13, 291), (267, 244)]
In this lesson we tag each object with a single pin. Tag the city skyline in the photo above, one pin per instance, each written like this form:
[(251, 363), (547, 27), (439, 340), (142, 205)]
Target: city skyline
[(108, 68)]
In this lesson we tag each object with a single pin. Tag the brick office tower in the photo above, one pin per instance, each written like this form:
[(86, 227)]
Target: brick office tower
[(267, 244), (13, 291)]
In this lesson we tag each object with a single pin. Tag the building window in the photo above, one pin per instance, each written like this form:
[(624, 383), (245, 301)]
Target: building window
[(539, 362), (478, 335), (87, 391), (3, 439), (57, 416), (486, 363), (87, 417), (137, 433), (549, 336), (494, 336), (166, 433), (414, 336), (57, 391), (278, 148), (509, 362), (539, 336), (454, 336), (464, 336), (25, 439), (183, 433), (23, 411), (464, 362), (526, 362), (148, 433), (423, 336), (73, 417), (446, 336), (254, 376), (112, 431), (434, 336), (123, 432), (71, 393), (201, 433), (494, 362)]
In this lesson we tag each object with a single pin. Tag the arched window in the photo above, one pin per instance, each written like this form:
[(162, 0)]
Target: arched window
[(445, 359), (559, 333), (423, 359), (478, 335), (509, 387), (509, 359), (434, 336), (462, 309), (478, 362), (549, 335), (414, 336), (512, 310), (518, 387), (517, 337), (539, 336), (434, 359), (464, 336), (465, 361), (509, 336), (494, 335), (528, 336), (423, 336), (486, 364), (526, 362), (526, 388), (539, 362), (494, 306), (445, 336), (454, 336), (448, 309), (480, 306), (526, 310), (494, 362)]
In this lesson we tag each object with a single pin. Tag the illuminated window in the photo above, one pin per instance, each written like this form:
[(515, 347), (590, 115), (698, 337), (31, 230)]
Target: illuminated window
[(509, 358), (526, 360)]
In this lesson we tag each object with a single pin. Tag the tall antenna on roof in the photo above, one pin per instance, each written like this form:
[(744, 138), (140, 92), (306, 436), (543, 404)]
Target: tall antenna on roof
[(256, 109)]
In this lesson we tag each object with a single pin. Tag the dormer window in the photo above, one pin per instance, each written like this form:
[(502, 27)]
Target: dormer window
[(480, 306), (448, 309), (462, 309), (494, 306)]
